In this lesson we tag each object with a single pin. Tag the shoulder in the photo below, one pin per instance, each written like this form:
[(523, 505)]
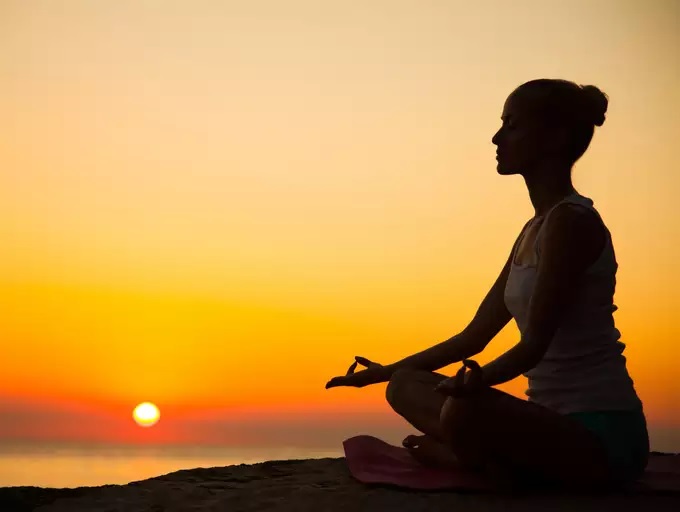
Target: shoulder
[(573, 233)]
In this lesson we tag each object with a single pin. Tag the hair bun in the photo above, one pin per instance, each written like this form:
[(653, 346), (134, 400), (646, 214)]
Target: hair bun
[(596, 103)]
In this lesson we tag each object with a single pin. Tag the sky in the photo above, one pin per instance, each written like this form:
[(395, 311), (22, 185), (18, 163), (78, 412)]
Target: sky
[(215, 205)]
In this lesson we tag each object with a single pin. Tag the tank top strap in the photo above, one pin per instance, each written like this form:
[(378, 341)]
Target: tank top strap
[(574, 198)]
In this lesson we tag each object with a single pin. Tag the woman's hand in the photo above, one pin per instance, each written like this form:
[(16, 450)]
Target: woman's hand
[(463, 383), (373, 374)]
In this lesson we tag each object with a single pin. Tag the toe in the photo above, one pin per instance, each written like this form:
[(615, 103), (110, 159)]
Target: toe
[(411, 441)]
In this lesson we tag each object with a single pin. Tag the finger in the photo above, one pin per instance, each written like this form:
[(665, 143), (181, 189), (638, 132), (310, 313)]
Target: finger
[(336, 381), (475, 380), (351, 369), (409, 441), (473, 365), (367, 362), (475, 377), (441, 387), (448, 381), (445, 385), (460, 377), (449, 389), (364, 361)]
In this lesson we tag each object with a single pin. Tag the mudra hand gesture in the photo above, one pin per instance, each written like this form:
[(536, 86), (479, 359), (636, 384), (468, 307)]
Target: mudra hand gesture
[(373, 374), (463, 383)]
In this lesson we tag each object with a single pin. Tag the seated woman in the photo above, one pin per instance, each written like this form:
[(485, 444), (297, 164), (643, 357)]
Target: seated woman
[(583, 425)]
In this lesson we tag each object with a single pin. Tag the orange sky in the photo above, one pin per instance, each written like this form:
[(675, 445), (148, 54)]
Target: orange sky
[(215, 205)]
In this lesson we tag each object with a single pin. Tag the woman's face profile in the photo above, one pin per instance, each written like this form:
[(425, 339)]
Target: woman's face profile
[(518, 140)]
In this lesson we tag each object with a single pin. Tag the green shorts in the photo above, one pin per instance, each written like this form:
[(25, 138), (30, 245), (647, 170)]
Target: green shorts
[(624, 435)]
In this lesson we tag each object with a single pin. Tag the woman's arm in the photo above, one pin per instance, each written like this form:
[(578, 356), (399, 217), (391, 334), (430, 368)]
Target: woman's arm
[(572, 241), (492, 315)]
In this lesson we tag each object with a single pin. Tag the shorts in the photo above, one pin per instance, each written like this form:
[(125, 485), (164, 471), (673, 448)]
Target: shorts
[(625, 438)]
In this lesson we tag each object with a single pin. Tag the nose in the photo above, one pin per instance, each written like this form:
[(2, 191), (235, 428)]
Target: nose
[(494, 139)]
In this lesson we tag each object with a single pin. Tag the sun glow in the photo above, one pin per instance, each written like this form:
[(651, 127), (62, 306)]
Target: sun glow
[(146, 414)]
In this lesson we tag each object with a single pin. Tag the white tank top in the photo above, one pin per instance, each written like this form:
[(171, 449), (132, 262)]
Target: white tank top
[(584, 368)]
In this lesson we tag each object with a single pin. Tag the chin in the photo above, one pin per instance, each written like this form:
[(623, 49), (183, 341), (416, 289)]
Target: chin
[(503, 170)]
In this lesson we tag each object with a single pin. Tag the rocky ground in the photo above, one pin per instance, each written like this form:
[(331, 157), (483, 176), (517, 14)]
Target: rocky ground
[(300, 485)]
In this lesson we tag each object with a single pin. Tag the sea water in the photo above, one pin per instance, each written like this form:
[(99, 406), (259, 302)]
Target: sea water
[(53, 465)]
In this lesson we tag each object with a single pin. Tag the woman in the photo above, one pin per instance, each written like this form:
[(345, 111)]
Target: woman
[(583, 425)]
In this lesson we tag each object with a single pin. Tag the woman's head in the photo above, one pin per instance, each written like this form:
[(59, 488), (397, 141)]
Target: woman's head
[(547, 121)]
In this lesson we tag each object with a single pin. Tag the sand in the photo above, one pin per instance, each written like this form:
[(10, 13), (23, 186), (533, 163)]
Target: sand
[(298, 485)]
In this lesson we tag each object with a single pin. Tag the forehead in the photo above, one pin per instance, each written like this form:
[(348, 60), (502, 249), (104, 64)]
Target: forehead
[(511, 107), (517, 106)]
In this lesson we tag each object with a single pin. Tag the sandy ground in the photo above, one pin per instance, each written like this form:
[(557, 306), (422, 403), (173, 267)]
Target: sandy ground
[(298, 485)]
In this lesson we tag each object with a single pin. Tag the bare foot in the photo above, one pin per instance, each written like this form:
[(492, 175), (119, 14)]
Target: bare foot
[(430, 452)]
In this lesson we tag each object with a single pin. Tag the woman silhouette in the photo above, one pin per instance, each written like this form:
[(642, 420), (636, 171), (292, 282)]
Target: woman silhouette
[(583, 425)]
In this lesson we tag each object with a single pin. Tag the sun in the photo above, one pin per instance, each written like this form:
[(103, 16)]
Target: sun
[(146, 414)]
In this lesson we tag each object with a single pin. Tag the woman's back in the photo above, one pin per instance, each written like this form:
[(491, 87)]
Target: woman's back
[(584, 368)]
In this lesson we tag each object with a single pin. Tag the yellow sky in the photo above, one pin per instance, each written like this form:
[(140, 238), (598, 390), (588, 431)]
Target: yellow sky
[(217, 203)]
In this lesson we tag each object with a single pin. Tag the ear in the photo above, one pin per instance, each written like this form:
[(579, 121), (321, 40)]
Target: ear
[(556, 139)]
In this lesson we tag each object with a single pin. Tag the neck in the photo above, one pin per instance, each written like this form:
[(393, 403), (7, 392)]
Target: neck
[(548, 184)]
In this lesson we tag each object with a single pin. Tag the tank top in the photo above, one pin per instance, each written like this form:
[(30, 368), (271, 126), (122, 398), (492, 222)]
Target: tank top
[(584, 368)]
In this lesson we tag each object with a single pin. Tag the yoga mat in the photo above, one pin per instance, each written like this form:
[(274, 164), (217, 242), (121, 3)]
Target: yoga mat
[(373, 461)]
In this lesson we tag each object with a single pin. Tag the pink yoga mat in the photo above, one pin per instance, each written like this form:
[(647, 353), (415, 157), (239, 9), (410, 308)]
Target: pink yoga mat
[(373, 461)]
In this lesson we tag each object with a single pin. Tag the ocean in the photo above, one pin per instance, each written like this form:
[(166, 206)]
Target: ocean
[(73, 466)]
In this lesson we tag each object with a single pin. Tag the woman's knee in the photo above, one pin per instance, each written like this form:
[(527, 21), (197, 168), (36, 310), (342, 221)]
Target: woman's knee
[(408, 386), (394, 393)]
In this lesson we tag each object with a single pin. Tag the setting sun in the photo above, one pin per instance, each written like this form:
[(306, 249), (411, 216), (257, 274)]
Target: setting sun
[(146, 414)]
